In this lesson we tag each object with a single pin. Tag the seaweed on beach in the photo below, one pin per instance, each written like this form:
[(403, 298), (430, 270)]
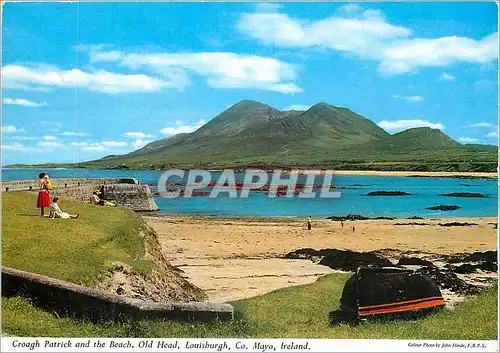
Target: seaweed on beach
[(477, 256), (457, 224), (487, 266), (447, 279), (411, 224), (414, 261)]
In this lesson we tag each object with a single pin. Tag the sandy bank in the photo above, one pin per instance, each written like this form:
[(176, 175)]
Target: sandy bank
[(406, 174)]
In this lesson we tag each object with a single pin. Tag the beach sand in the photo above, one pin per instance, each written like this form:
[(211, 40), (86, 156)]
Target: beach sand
[(395, 173), (233, 259)]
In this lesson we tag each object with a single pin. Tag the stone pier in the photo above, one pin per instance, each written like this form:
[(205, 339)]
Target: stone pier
[(125, 192)]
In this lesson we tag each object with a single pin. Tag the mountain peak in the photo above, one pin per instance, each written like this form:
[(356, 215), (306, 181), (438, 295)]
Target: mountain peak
[(248, 103), (426, 137), (237, 118)]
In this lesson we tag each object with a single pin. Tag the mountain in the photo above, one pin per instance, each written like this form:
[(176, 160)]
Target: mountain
[(416, 139), (251, 133), (238, 118)]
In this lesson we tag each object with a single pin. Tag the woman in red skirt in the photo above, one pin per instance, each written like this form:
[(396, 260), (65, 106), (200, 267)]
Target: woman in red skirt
[(43, 195)]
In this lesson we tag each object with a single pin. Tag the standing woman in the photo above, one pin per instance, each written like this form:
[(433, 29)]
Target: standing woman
[(43, 195)]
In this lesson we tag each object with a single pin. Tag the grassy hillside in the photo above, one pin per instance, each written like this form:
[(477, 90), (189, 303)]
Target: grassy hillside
[(254, 134), (74, 250)]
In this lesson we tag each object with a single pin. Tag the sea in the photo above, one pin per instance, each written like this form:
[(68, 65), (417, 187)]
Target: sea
[(426, 192)]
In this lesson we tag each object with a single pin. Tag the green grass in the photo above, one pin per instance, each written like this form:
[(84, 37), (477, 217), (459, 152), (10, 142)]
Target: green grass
[(75, 250), (289, 313)]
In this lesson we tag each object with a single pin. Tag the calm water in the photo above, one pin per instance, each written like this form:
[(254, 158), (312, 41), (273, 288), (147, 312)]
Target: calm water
[(425, 192)]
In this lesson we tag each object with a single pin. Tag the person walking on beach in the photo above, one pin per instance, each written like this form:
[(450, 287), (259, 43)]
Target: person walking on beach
[(43, 200), (353, 229), (309, 225), (341, 223)]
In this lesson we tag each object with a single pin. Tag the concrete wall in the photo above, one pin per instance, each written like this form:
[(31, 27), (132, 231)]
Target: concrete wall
[(134, 196), (72, 300)]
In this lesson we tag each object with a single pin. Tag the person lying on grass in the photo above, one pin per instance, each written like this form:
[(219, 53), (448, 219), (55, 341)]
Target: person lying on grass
[(95, 200), (56, 212)]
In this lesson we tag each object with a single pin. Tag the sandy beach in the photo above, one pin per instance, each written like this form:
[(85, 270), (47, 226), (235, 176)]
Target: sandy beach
[(424, 174), (233, 259)]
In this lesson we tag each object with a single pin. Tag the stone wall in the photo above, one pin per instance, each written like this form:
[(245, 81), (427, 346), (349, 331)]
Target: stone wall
[(137, 197), (68, 299), (24, 185)]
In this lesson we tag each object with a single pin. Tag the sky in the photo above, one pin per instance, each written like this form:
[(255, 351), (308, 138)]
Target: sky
[(84, 80)]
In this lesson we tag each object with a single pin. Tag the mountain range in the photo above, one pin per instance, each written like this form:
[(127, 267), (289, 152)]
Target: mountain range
[(254, 134)]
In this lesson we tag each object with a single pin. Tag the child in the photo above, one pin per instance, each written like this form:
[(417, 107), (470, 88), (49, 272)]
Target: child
[(56, 212)]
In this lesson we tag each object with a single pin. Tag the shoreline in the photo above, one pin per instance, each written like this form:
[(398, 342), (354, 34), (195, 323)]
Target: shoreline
[(284, 219), (304, 170)]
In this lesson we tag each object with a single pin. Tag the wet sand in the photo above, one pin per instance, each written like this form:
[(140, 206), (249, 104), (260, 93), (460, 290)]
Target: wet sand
[(233, 259)]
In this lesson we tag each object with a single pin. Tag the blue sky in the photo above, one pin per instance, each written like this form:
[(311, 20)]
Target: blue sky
[(81, 81)]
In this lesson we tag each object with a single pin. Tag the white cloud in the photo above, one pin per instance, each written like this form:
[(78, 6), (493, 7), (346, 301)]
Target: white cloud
[(114, 144), (483, 124), (79, 144), (94, 147), (139, 143), (406, 56), (99, 146), (221, 69), (367, 34), (16, 146), (297, 107), (51, 145), (11, 129), (49, 138), (400, 125), (72, 133), (358, 32), (268, 7), (137, 135), (493, 134), (89, 146), (20, 77), (468, 140), (447, 77), (408, 98), (350, 8), (181, 128), (23, 138), (23, 102)]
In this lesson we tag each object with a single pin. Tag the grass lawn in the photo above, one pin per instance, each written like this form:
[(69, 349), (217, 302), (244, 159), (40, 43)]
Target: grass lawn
[(78, 250), (75, 250), (295, 312)]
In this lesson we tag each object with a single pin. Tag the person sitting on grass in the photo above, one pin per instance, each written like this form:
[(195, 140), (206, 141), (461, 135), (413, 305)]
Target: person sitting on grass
[(95, 200), (56, 212)]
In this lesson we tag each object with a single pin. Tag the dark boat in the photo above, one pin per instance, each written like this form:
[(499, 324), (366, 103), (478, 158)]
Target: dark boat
[(387, 292)]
